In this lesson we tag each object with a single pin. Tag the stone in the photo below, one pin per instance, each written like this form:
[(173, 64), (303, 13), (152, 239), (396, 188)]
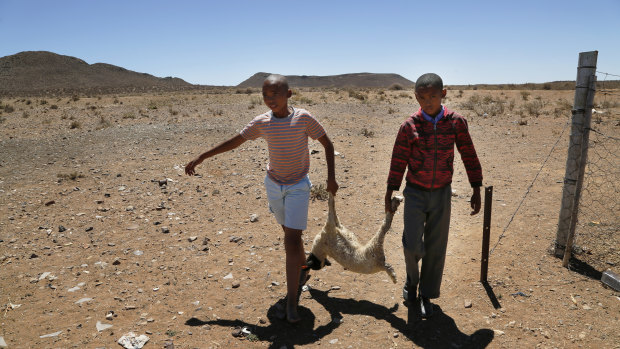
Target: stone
[(101, 326), (132, 341), (83, 300), (55, 334), (3, 343), (467, 303), (253, 218)]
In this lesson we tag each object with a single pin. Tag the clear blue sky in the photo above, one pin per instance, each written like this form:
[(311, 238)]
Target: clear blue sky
[(226, 41)]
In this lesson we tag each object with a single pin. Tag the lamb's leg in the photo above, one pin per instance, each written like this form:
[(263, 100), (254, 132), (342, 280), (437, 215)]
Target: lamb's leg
[(390, 271), (332, 217)]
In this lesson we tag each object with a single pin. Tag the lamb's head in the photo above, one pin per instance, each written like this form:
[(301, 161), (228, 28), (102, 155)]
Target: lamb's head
[(396, 200), (314, 263)]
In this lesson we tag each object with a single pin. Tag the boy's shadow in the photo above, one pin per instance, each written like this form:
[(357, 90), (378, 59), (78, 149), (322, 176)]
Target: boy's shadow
[(440, 331), (278, 331)]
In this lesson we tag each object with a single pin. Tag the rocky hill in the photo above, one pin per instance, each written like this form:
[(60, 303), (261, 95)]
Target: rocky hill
[(344, 80), (38, 72)]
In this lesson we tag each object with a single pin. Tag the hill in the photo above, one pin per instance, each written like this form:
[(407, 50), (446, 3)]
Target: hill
[(38, 72), (343, 80)]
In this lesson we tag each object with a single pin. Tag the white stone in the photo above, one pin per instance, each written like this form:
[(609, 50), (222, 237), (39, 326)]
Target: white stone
[(132, 341), (55, 334), (101, 326)]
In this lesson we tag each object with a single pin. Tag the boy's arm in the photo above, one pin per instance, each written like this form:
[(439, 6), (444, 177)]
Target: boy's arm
[(221, 148), (332, 185)]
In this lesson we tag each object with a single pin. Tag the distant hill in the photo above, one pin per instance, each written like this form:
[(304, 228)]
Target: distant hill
[(344, 80), (36, 72)]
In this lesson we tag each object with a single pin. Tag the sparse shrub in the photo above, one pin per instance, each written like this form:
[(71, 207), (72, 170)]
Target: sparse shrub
[(75, 98), (69, 176), (319, 192), (391, 110), (75, 124), (43, 102), (173, 112), (534, 107), (53, 106), (8, 108), (396, 87), (103, 123), (356, 95), (525, 95), (523, 122), (460, 94), (367, 133), (28, 102), (129, 115), (152, 106), (25, 115)]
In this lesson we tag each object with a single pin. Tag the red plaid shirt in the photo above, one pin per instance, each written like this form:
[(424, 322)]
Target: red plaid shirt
[(428, 152)]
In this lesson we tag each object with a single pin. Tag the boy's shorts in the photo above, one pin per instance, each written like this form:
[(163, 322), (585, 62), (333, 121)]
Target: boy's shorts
[(289, 203)]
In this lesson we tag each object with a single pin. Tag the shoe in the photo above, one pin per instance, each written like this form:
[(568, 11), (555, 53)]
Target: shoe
[(426, 307)]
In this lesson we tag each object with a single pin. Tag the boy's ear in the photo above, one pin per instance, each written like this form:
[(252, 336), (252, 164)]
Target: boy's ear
[(289, 93), (443, 93)]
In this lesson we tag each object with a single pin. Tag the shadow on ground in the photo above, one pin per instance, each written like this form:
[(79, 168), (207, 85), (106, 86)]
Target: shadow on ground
[(440, 331)]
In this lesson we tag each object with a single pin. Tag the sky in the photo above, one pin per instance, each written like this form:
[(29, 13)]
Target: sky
[(224, 42)]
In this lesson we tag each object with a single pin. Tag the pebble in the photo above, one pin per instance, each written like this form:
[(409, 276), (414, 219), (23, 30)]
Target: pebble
[(3, 343), (101, 326), (82, 300), (165, 230), (253, 218), (55, 334), (467, 303)]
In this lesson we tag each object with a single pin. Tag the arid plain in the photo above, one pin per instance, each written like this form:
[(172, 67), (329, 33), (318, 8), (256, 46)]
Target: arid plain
[(99, 226)]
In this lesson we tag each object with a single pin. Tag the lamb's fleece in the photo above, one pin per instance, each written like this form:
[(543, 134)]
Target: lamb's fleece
[(342, 245)]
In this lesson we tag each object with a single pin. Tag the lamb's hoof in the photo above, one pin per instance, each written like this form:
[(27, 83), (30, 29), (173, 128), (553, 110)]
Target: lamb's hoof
[(313, 263)]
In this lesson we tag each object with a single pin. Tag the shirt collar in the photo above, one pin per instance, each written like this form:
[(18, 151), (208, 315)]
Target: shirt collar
[(436, 118)]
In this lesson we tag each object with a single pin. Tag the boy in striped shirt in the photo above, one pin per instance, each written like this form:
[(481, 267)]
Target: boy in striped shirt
[(286, 130)]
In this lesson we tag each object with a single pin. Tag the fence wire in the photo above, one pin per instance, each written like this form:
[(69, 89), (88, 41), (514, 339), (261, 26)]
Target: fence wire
[(598, 223)]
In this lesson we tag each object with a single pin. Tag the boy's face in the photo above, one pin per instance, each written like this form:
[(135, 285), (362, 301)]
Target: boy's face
[(430, 98), (276, 96)]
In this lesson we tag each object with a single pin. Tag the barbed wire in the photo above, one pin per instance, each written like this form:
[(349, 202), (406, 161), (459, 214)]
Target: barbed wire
[(502, 235), (610, 74)]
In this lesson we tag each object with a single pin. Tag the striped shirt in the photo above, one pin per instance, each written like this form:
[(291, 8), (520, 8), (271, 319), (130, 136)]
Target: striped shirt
[(287, 141)]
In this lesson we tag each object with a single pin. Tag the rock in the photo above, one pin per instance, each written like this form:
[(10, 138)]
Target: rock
[(109, 315), (3, 343), (192, 238), (165, 230), (83, 300), (236, 284), (101, 326), (61, 229), (51, 202), (228, 276), (253, 218), (138, 253), (117, 261), (55, 334), (132, 341), (88, 229), (467, 303), (499, 332)]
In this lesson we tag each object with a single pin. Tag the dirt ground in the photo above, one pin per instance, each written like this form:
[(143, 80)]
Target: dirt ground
[(99, 226)]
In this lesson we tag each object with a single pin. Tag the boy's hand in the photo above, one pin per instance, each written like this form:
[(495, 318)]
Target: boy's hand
[(189, 168), (388, 201), (475, 201)]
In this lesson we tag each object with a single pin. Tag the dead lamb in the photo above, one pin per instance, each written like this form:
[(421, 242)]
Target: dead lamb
[(342, 245)]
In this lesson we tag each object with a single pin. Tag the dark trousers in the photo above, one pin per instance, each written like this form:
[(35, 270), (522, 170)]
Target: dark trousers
[(425, 237)]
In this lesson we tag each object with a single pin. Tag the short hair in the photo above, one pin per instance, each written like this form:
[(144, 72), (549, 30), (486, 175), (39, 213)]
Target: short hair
[(429, 79), (279, 80)]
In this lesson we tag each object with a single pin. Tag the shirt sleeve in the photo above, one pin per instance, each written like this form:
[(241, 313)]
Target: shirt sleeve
[(252, 130), (314, 129), (400, 157), (465, 146)]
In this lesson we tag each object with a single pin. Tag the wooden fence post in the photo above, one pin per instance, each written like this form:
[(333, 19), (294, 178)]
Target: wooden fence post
[(582, 113)]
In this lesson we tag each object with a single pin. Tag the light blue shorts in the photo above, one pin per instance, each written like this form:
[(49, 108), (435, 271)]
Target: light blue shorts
[(289, 203)]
